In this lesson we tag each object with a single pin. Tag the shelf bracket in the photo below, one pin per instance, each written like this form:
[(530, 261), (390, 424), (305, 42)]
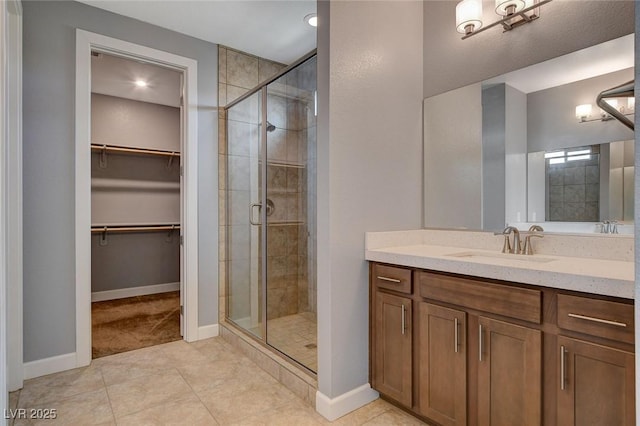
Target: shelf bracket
[(103, 157), (170, 161), (169, 238), (103, 237)]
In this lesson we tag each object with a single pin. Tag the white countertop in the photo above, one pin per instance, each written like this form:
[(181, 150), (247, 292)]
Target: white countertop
[(590, 275)]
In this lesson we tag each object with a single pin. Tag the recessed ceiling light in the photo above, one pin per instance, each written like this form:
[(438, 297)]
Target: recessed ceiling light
[(141, 83), (311, 19)]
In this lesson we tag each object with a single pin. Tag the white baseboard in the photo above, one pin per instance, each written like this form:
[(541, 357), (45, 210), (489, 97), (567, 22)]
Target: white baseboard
[(208, 331), (45, 366), (100, 296), (334, 408)]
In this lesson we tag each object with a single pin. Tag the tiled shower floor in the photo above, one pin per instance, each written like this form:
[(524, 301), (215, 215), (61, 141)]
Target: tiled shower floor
[(296, 336)]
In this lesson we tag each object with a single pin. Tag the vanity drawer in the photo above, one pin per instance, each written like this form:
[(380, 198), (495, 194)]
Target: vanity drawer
[(601, 318), (392, 278), (513, 302)]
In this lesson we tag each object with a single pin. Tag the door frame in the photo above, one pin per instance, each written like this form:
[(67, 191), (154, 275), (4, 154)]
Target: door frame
[(85, 43), (11, 338)]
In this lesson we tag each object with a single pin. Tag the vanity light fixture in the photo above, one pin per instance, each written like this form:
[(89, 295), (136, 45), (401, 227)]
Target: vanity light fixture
[(583, 112), (624, 106), (468, 16), (512, 13)]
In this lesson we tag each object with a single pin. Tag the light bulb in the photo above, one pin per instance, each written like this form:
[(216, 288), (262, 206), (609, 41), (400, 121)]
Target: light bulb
[(311, 19), (468, 16), (583, 112), (509, 7), (141, 83)]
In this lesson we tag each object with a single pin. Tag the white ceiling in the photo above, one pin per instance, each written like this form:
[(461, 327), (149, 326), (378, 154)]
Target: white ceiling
[(115, 76), (600, 59), (270, 29)]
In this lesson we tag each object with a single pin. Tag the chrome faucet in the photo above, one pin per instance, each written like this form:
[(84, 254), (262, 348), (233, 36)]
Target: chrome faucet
[(508, 248), (528, 248), (609, 227)]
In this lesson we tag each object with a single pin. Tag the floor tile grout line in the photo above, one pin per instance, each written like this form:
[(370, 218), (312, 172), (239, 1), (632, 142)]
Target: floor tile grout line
[(106, 390), (146, 408), (199, 399)]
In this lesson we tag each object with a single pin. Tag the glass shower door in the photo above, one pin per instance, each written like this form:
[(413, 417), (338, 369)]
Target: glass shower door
[(245, 223), (290, 215), (271, 213)]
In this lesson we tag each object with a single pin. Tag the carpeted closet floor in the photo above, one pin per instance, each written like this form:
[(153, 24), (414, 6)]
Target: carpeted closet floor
[(135, 322)]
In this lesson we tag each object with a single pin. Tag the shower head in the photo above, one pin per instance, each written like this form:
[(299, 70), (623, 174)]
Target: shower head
[(270, 127)]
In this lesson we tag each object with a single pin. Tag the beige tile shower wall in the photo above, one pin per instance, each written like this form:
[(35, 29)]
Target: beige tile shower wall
[(237, 74)]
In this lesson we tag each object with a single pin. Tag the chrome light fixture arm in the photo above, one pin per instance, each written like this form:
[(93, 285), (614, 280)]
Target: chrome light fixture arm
[(512, 21)]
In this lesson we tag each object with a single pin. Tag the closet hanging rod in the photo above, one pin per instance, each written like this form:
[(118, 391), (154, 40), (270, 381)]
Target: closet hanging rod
[(100, 229), (116, 148)]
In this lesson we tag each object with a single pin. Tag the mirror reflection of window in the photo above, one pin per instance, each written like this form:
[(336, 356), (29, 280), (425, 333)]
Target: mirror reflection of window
[(588, 184), (573, 184)]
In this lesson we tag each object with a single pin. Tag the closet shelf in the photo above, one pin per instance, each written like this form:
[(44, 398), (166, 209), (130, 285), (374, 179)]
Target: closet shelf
[(95, 229), (105, 184), (149, 151)]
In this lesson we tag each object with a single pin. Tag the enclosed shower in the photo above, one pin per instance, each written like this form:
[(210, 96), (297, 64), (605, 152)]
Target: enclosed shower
[(271, 211)]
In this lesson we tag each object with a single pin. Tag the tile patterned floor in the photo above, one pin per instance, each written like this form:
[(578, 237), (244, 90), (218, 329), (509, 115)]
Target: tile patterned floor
[(202, 383), (296, 336)]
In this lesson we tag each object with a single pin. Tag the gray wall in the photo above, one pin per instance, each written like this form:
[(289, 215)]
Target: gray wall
[(515, 156), (134, 260), (564, 26), (369, 165), (555, 107), (49, 91), (494, 118), (119, 121), (453, 159)]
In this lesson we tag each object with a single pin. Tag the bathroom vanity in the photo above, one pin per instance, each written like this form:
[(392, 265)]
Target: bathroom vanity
[(463, 334)]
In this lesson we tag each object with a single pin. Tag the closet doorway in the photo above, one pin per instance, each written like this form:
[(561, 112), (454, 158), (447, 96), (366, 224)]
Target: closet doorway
[(136, 196), (136, 140)]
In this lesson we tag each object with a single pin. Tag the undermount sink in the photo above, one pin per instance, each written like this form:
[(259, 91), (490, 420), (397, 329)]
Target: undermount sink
[(506, 256)]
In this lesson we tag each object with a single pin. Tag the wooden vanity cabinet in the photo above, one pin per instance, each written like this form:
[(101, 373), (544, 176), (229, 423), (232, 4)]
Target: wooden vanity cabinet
[(502, 384), (442, 364), (392, 349), (596, 380), (509, 374), (481, 352), (596, 384)]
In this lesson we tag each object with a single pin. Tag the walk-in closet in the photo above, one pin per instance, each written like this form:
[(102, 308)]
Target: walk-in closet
[(135, 204)]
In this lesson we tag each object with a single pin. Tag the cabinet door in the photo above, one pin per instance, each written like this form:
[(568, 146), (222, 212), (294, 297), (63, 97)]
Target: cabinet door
[(596, 384), (509, 374), (392, 373), (442, 364)]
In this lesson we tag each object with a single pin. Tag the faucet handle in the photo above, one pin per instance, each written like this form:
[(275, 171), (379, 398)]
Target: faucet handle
[(506, 248), (528, 248), (534, 228)]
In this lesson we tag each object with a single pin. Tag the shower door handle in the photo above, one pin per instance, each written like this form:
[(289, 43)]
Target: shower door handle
[(251, 207)]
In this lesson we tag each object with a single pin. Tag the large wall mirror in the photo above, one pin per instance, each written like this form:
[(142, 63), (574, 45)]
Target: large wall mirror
[(532, 146)]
